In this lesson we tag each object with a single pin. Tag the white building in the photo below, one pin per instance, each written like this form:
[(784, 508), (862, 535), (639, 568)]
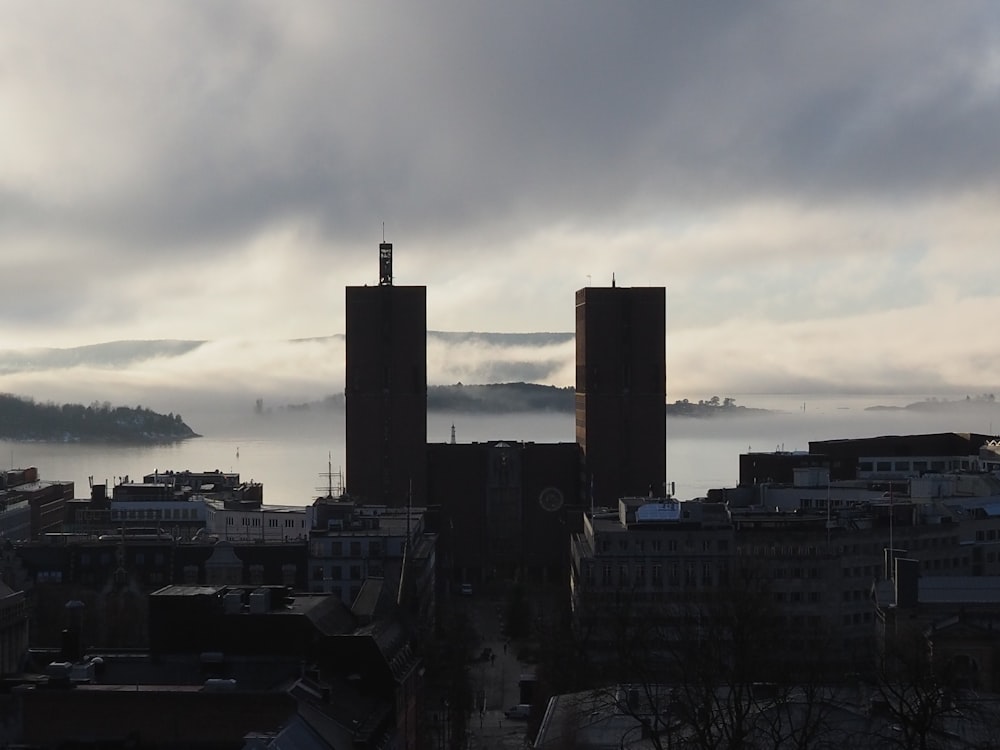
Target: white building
[(267, 523)]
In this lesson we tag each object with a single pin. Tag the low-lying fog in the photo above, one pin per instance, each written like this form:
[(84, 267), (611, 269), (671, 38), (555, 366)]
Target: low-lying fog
[(216, 386)]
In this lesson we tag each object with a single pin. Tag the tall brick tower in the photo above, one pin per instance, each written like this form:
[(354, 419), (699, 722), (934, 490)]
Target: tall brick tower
[(621, 390), (386, 389)]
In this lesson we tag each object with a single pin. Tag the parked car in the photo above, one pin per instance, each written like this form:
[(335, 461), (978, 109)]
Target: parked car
[(520, 711)]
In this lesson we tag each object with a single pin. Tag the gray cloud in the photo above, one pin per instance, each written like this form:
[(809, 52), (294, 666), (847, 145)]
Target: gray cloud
[(444, 117), (203, 171)]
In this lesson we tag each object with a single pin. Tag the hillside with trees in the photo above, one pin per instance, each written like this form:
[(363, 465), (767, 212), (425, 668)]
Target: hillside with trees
[(24, 419)]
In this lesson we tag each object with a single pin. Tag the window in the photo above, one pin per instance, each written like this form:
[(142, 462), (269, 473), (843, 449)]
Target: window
[(355, 572), (606, 575), (355, 549), (706, 574), (657, 575), (336, 549), (623, 575)]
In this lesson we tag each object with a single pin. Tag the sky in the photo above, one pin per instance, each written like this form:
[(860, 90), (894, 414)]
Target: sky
[(815, 184)]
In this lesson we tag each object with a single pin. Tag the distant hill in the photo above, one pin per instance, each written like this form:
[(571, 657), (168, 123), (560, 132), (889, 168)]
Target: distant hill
[(502, 339), (713, 407), (489, 357), (499, 398), (23, 419), (507, 398), (985, 402), (514, 365), (110, 354)]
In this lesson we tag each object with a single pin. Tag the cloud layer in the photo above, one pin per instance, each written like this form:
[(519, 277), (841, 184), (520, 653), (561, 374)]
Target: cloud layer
[(815, 184)]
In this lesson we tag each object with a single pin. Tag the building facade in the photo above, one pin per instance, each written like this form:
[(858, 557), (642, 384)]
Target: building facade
[(351, 543), (814, 567), (621, 391), (505, 509), (386, 390)]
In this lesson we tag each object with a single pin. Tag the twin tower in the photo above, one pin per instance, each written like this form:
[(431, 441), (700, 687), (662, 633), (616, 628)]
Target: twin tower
[(620, 391)]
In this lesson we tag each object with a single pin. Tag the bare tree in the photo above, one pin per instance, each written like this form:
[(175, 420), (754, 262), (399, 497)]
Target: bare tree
[(915, 695), (708, 671)]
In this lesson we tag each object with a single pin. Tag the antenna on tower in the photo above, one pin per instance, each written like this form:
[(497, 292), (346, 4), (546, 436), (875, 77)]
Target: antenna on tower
[(384, 261)]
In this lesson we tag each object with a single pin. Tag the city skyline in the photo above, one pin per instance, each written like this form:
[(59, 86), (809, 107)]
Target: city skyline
[(813, 185)]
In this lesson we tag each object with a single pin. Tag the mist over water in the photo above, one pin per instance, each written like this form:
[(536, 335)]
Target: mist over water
[(291, 452)]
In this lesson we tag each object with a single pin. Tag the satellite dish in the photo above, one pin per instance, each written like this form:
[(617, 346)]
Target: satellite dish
[(550, 499)]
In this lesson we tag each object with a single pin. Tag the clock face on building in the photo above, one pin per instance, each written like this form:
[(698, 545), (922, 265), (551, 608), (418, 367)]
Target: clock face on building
[(550, 499)]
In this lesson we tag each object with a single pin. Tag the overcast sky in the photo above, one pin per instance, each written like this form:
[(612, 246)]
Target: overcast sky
[(815, 184)]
